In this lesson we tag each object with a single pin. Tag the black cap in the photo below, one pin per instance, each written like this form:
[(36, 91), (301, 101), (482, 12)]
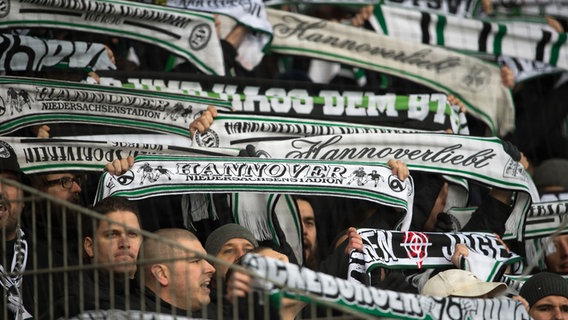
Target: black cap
[(9, 160)]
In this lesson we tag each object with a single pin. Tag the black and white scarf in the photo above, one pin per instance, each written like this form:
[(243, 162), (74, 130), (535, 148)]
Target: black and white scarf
[(521, 40), (187, 34), (24, 53), (417, 250), (423, 111), (12, 278)]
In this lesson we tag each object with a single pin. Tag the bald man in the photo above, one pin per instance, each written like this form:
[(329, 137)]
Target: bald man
[(177, 279)]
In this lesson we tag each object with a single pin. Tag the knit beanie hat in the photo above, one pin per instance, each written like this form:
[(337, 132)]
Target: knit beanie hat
[(224, 233), (542, 285)]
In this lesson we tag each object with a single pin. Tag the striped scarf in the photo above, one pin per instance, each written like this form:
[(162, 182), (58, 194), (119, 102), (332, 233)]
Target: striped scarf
[(521, 40)]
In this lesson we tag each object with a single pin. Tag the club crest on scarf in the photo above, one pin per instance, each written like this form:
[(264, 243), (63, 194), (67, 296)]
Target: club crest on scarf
[(476, 78), (200, 36), (416, 245)]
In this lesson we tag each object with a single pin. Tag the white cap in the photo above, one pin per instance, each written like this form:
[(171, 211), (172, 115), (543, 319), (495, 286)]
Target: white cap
[(461, 283)]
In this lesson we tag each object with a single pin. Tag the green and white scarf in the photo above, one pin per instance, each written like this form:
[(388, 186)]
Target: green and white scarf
[(24, 53), (423, 111), (293, 281), (37, 155), (480, 159), (476, 83), (188, 34), (27, 102), (162, 175)]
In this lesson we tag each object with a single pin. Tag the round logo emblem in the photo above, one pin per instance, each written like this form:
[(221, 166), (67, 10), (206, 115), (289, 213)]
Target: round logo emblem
[(199, 36), (126, 178), (207, 139)]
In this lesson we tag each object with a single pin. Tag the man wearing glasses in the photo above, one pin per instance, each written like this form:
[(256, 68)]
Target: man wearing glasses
[(55, 223)]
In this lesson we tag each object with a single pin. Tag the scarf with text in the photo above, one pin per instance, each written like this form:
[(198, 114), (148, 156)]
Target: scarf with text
[(547, 220), (522, 40), (25, 102), (250, 13), (24, 53), (424, 111), (476, 83), (11, 278), (480, 159), (301, 283), (37, 155), (235, 130), (417, 250), (159, 175), (543, 219), (188, 34)]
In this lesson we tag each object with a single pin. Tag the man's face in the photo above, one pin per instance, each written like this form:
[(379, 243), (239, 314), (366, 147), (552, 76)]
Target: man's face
[(551, 307), (231, 251), (56, 189), (191, 278), (114, 243), (11, 206), (309, 227), (558, 260)]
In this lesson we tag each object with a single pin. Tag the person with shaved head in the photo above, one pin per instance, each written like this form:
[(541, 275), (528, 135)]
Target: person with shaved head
[(177, 278)]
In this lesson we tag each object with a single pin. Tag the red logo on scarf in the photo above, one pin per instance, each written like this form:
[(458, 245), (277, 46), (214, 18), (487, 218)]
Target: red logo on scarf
[(416, 245)]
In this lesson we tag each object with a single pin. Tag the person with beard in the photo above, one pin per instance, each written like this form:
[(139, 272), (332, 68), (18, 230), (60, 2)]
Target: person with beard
[(56, 223), (111, 247), (24, 295), (309, 232)]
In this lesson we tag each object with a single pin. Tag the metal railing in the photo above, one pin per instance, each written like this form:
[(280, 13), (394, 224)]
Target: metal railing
[(64, 286)]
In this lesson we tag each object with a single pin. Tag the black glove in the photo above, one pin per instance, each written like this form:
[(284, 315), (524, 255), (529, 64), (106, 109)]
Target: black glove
[(396, 281), (443, 223), (248, 151), (512, 150)]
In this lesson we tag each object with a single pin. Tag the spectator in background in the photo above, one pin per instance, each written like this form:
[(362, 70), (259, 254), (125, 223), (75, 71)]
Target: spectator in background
[(56, 223), (228, 243), (546, 295), (309, 232), (557, 254), (18, 251), (180, 284), (111, 247)]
